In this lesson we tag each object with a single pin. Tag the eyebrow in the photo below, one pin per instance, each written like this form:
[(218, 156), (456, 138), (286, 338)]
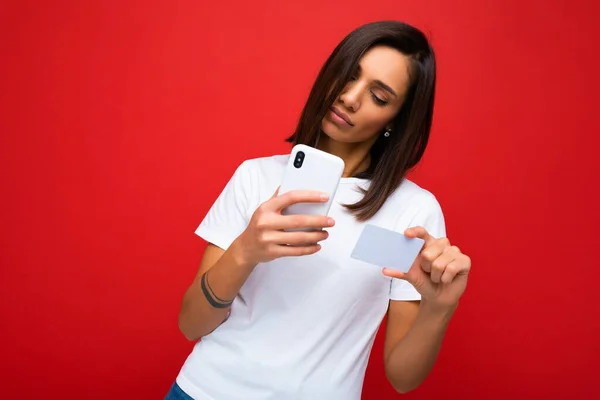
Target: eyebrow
[(384, 86), (380, 83)]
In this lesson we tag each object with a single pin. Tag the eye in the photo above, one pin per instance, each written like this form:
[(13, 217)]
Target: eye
[(377, 100)]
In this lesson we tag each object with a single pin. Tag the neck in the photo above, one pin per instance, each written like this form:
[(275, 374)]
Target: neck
[(356, 156)]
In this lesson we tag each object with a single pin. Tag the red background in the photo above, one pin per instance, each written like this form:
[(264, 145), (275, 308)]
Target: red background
[(122, 121)]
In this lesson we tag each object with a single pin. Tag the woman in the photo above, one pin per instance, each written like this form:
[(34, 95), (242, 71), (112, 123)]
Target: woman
[(298, 322)]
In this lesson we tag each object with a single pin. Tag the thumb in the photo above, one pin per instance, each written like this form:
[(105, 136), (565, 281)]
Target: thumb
[(393, 273)]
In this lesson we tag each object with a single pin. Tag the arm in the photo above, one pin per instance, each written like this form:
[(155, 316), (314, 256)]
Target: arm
[(415, 333), (223, 273), (228, 272), (413, 339)]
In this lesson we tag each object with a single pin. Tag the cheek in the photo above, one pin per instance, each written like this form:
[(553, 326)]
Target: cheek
[(374, 119)]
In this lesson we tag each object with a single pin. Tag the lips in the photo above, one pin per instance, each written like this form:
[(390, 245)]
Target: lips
[(342, 116)]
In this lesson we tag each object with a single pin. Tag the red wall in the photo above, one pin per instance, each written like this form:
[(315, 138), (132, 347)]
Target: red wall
[(122, 121)]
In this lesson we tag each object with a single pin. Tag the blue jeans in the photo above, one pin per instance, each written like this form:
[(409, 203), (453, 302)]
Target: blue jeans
[(177, 394)]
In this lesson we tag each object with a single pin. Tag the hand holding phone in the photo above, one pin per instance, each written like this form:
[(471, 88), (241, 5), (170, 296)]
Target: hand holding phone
[(270, 234)]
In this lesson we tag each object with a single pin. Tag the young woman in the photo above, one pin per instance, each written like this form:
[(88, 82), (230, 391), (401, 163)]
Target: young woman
[(298, 322)]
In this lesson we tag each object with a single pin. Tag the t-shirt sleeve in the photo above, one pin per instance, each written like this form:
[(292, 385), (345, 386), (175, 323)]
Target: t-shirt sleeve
[(228, 216), (430, 217)]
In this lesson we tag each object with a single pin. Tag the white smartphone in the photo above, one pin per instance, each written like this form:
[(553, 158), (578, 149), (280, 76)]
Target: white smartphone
[(311, 169)]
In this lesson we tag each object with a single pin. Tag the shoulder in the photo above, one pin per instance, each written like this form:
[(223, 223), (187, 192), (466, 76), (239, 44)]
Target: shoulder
[(412, 196), (266, 163), (411, 205), (263, 171), (257, 178), (416, 206)]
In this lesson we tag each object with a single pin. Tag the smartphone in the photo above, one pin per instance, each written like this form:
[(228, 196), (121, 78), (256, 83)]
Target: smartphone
[(386, 248), (311, 169)]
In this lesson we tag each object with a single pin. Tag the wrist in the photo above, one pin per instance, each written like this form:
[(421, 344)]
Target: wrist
[(239, 255), (441, 312)]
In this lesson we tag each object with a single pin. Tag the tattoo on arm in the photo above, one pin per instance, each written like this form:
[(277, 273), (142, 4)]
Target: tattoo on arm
[(213, 299)]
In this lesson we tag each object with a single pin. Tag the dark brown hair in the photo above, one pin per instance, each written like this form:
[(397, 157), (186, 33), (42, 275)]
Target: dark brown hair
[(394, 156)]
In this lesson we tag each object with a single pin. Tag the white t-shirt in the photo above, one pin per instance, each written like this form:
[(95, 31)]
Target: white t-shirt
[(301, 327)]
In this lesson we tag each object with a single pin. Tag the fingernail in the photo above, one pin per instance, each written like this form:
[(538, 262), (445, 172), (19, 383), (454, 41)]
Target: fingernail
[(330, 222), (324, 196)]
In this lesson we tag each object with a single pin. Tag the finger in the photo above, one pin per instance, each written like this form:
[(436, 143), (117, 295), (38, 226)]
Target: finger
[(431, 251), (450, 272), (440, 264), (392, 273), (296, 196), (299, 238), (297, 251), (418, 232), (428, 255), (460, 266), (303, 221)]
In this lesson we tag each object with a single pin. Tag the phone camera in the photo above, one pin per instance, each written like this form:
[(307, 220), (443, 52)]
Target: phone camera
[(299, 159)]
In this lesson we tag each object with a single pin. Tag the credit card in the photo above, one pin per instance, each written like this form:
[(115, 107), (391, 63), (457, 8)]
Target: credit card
[(386, 248)]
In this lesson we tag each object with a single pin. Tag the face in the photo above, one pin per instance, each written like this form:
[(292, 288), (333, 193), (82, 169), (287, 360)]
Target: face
[(369, 102)]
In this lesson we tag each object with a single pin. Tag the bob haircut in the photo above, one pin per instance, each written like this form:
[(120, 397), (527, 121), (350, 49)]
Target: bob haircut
[(394, 156)]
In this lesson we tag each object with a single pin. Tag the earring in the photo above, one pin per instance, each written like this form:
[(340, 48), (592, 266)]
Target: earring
[(387, 132)]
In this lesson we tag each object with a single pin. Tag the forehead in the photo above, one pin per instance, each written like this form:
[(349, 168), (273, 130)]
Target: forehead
[(387, 65)]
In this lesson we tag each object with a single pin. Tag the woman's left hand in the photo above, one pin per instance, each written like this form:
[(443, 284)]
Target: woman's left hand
[(439, 272)]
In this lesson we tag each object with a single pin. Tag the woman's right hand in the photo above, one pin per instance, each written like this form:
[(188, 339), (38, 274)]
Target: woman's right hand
[(265, 239)]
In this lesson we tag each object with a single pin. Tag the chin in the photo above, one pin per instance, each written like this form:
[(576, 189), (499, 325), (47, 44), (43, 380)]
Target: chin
[(334, 133)]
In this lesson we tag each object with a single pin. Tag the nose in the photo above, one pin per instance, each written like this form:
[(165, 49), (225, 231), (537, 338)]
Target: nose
[(350, 96)]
